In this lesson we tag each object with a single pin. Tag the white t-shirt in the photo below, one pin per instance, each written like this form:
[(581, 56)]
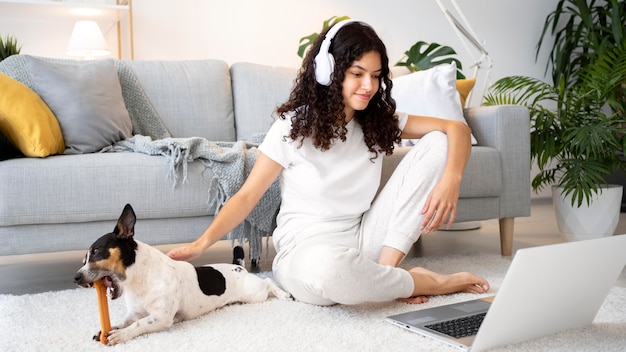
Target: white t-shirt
[(322, 190)]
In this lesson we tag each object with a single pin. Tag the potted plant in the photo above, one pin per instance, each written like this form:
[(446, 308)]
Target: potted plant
[(577, 121), (8, 47), (577, 129), (580, 29)]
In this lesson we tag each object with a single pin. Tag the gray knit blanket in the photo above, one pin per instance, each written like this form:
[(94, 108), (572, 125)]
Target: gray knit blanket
[(230, 163)]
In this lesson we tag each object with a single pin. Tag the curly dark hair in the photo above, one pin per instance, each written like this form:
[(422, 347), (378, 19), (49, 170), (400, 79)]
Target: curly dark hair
[(319, 109)]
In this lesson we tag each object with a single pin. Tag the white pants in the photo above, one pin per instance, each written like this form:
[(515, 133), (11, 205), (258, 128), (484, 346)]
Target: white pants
[(341, 267)]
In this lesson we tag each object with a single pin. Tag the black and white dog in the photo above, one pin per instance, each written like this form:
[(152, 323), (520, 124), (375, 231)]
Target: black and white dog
[(160, 291)]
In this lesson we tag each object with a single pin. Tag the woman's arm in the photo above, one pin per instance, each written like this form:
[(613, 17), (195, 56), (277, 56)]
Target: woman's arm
[(442, 201), (235, 210)]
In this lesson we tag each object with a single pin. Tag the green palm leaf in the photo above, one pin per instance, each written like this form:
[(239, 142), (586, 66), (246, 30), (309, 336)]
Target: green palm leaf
[(575, 139)]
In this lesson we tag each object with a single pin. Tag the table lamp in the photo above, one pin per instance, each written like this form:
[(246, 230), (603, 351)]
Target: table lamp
[(87, 41)]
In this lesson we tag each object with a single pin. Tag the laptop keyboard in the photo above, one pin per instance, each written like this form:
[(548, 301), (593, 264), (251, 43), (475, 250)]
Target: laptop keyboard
[(461, 327)]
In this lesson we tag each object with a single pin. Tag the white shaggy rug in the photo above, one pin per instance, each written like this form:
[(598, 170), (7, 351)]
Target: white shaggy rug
[(66, 321)]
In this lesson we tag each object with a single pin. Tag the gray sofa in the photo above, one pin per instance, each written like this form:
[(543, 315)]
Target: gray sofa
[(64, 202)]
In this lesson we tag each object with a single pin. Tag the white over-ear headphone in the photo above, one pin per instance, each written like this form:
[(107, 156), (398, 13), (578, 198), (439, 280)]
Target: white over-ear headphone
[(324, 61)]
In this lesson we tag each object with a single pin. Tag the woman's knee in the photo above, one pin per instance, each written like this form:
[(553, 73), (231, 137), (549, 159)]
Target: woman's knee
[(432, 150), (436, 140)]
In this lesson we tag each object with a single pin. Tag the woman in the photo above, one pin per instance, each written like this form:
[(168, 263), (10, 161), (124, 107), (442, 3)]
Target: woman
[(335, 243)]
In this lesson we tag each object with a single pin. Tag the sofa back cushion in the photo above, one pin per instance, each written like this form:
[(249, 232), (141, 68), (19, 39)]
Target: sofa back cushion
[(193, 98), (257, 91)]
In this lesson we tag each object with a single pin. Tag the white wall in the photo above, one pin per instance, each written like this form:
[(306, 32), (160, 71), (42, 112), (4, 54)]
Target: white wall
[(268, 31)]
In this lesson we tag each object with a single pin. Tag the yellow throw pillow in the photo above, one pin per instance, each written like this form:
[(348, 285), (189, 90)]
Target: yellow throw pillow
[(26, 120), (464, 86)]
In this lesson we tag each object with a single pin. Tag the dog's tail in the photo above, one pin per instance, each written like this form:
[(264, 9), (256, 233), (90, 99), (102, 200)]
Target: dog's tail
[(239, 256)]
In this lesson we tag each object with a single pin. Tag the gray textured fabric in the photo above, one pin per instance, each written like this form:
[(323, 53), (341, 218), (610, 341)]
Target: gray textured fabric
[(14, 66), (145, 118), (482, 176), (257, 91), (230, 162), (86, 100), (193, 98), (506, 128), (473, 209)]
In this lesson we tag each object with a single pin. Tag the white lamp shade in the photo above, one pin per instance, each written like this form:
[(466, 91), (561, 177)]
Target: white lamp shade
[(87, 40)]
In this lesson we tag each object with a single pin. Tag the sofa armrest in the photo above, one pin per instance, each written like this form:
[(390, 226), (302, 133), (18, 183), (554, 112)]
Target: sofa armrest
[(507, 129)]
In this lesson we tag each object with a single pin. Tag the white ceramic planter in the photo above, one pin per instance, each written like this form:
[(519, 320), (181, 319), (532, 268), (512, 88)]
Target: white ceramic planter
[(586, 222)]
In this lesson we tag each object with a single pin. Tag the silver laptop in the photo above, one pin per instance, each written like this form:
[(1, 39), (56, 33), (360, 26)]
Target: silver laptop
[(547, 289)]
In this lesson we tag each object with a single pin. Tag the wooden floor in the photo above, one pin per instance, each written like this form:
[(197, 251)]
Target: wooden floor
[(55, 271)]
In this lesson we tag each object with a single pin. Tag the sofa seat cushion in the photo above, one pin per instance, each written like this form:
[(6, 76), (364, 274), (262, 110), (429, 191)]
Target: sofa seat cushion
[(95, 187)]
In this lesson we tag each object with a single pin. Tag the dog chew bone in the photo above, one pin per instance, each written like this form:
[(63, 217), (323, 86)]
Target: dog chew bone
[(103, 308)]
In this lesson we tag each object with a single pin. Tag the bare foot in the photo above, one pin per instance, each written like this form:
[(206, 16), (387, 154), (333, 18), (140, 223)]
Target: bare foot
[(428, 283), (414, 300)]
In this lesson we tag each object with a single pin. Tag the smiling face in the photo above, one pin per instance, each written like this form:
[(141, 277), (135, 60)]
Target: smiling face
[(361, 82)]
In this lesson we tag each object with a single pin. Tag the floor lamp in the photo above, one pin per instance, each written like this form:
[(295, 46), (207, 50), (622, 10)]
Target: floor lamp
[(464, 31)]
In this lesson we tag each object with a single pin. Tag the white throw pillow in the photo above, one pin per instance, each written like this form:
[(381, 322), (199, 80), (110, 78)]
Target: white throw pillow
[(430, 92)]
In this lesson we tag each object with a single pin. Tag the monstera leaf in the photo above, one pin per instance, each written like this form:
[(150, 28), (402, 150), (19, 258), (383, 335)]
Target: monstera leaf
[(423, 55)]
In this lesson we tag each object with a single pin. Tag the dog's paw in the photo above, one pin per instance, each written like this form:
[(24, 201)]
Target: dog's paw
[(283, 295), (118, 336), (277, 291), (96, 337)]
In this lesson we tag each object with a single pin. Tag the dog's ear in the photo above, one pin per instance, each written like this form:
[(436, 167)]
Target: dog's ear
[(125, 227)]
